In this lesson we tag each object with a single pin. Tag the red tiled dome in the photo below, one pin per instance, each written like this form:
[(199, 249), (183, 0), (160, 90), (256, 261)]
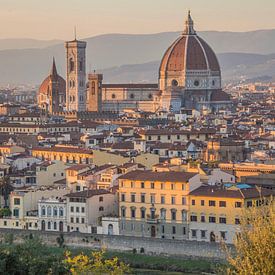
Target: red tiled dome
[(189, 52)]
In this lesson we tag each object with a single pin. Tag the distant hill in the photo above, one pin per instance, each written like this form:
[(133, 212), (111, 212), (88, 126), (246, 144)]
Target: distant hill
[(31, 64), (26, 43)]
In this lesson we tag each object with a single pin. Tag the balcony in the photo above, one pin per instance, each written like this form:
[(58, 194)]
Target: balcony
[(152, 219)]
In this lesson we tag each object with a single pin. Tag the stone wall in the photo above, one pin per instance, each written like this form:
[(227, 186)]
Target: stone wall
[(121, 243)]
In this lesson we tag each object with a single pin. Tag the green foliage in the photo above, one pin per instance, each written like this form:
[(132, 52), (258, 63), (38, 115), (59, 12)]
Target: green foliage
[(8, 238), (60, 240), (5, 212)]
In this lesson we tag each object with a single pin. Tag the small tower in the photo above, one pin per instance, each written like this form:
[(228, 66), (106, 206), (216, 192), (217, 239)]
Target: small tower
[(53, 90), (189, 25), (76, 75), (94, 93)]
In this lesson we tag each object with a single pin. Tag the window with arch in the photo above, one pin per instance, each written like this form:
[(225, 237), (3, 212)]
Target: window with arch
[(49, 225), (49, 211), (54, 226), (71, 64), (123, 212), (101, 208), (55, 211), (61, 211), (163, 214), (43, 211), (113, 96)]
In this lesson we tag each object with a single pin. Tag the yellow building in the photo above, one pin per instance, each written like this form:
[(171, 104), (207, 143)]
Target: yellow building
[(155, 204), (215, 211), (67, 154)]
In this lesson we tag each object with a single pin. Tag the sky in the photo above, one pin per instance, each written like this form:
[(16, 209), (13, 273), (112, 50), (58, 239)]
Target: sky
[(55, 19)]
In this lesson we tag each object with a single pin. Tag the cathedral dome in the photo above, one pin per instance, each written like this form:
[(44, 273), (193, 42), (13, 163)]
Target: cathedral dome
[(189, 53), (46, 85)]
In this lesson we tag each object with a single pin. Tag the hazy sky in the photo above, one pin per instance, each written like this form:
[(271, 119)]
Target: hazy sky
[(55, 19)]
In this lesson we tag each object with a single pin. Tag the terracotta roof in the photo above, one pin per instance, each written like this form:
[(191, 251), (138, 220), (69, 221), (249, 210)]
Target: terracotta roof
[(219, 95), (88, 193), (218, 192), (64, 150), (131, 86), (170, 176), (189, 52), (78, 167)]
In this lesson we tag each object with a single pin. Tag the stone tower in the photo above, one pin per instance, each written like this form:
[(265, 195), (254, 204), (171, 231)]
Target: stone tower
[(94, 93), (76, 75)]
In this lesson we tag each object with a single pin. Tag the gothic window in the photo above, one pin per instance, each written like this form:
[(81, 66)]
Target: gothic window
[(175, 82), (71, 65), (43, 211), (196, 83), (93, 88)]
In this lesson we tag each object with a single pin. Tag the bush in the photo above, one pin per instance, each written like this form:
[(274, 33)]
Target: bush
[(9, 238)]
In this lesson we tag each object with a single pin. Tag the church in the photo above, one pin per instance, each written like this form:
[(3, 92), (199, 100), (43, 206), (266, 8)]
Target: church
[(189, 77)]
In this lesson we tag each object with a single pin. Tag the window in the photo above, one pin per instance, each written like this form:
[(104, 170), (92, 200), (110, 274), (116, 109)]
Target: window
[(72, 220), (17, 224), (203, 234), (100, 198), (113, 96), (77, 209), (162, 229), (82, 220), (173, 200), (142, 185), (193, 202), (162, 186), (183, 200), (132, 96), (142, 198), (77, 220), (122, 197), (163, 214), (152, 198), (16, 201), (55, 211), (173, 215), (49, 225), (133, 212), (49, 211), (43, 211), (173, 230), (249, 204), (222, 220), (202, 202), (54, 226), (223, 235), (212, 219), (132, 184), (202, 218), (82, 209), (152, 185), (183, 187), (162, 199), (133, 197), (238, 204), (212, 203), (194, 233), (222, 203), (16, 212), (61, 212), (72, 209), (101, 208), (184, 215), (193, 218), (237, 221), (142, 213), (184, 230), (123, 212), (172, 186)]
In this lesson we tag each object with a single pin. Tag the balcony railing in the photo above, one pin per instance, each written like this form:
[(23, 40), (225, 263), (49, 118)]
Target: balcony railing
[(152, 218)]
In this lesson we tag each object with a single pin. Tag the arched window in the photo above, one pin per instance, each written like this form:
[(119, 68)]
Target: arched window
[(113, 96), (81, 65), (55, 211), (184, 215), (61, 212), (43, 211), (49, 211), (71, 64), (49, 225), (54, 226), (101, 208), (163, 214), (123, 212)]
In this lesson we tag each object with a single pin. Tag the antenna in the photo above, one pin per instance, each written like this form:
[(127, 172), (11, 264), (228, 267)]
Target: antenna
[(74, 32)]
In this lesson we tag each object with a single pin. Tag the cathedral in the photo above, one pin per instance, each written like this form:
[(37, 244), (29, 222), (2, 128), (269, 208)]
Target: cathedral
[(189, 77)]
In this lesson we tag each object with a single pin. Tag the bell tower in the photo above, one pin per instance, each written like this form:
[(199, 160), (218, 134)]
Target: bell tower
[(94, 93), (75, 75)]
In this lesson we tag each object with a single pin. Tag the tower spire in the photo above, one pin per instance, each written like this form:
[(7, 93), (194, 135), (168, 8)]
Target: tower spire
[(189, 25), (74, 32), (53, 69)]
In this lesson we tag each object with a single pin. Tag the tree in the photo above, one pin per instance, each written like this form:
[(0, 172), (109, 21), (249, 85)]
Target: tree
[(5, 189), (96, 264), (254, 243)]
